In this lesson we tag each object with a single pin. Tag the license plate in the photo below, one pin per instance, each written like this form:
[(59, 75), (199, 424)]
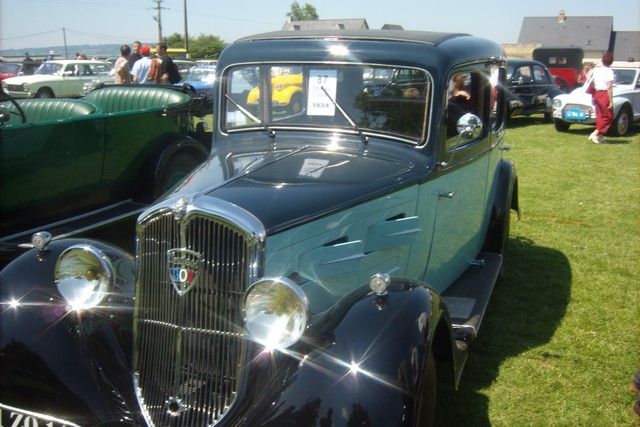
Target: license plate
[(14, 417), (575, 114)]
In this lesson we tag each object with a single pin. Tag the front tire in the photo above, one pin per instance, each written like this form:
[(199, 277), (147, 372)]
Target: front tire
[(427, 412), (45, 92), (561, 126)]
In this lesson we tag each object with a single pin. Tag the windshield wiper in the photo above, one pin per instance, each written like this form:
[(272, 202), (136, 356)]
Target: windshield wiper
[(346, 116), (247, 113)]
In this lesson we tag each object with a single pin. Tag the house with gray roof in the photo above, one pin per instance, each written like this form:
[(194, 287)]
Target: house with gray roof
[(594, 34)]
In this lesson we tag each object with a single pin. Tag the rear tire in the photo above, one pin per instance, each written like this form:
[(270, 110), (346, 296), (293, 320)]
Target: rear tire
[(621, 123)]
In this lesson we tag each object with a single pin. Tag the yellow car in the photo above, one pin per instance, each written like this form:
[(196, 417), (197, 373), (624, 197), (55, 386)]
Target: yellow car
[(286, 93)]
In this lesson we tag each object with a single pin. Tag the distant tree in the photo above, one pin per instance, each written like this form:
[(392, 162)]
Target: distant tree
[(299, 13), (175, 40), (206, 46)]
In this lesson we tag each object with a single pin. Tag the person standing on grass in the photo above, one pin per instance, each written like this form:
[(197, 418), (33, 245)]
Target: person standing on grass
[(123, 72), (140, 70), (170, 73), (603, 97)]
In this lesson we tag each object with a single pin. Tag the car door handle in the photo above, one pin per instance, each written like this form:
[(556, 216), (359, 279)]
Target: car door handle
[(446, 194)]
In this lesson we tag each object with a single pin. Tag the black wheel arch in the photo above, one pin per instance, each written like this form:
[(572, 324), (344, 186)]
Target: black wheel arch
[(181, 144)]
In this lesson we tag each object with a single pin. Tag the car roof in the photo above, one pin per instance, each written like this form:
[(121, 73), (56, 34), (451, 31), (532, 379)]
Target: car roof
[(76, 61), (625, 64), (426, 37), (522, 61)]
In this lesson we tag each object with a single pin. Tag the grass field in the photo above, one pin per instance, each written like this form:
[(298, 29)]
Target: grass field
[(561, 339)]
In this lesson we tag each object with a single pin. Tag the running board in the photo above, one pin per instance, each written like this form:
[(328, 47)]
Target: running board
[(467, 299), (76, 225)]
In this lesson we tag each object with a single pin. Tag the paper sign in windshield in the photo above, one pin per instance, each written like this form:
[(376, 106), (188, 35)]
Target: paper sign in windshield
[(313, 168), (318, 104)]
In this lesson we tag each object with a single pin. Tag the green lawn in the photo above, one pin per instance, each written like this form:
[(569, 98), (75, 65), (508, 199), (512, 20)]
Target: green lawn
[(561, 339)]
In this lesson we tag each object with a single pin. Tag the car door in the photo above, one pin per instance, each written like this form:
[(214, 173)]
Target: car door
[(542, 86), (523, 86), (72, 81), (459, 189)]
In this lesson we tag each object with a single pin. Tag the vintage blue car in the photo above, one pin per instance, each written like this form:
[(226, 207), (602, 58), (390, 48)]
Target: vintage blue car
[(323, 267)]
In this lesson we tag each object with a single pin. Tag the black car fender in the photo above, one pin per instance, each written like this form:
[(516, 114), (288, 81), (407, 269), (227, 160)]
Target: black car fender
[(505, 199), (181, 153), (369, 361), (74, 365)]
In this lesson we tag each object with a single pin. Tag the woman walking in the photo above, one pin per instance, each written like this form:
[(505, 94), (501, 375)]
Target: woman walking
[(602, 77)]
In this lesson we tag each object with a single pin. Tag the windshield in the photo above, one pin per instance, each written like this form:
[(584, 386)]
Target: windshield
[(369, 99), (624, 76), (9, 68), (49, 69), (204, 74)]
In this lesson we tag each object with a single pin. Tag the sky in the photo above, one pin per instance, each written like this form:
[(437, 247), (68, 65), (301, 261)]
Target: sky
[(28, 24)]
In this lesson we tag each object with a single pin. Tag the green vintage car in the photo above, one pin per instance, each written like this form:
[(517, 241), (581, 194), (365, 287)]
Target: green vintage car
[(72, 164)]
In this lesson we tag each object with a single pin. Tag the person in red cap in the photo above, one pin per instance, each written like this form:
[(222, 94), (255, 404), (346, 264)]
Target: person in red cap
[(140, 71)]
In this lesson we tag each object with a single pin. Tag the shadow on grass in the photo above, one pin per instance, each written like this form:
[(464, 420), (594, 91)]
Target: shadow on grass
[(524, 312), (524, 121)]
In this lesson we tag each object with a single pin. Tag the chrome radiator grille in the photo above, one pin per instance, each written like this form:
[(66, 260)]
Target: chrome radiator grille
[(189, 342)]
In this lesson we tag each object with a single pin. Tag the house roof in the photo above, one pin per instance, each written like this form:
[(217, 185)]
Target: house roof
[(587, 32), (627, 45), (326, 24)]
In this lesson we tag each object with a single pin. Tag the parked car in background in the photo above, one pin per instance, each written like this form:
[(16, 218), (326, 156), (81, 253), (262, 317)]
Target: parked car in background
[(201, 79), (200, 62), (531, 87), (577, 106), (184, 67), (565, 64), (57, 79), (322, 267), (286, 90), (70, 164), (14, 69)]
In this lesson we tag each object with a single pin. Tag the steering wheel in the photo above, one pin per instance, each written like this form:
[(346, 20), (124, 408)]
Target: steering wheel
[(3, 117)]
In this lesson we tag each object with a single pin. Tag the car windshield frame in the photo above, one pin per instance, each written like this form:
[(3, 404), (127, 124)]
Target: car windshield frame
[(339, 97)]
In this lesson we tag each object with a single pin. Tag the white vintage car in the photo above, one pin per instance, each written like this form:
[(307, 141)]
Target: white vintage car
[(58, 79), (577, 107)]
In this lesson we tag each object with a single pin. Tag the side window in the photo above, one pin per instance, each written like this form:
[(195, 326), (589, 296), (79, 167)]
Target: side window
[(539, 75), (243, 96), (523, 75), (468, 98)]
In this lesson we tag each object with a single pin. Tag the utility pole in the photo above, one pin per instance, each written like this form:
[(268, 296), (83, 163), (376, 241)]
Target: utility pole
[(186, 33), (64, 36), (158, 18)]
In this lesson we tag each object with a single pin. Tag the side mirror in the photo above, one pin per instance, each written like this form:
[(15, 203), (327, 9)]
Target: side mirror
[(469, 126)]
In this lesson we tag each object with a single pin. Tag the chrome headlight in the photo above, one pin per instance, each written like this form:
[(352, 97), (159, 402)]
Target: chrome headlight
[(276, 312), (84, 276), (557, 103)]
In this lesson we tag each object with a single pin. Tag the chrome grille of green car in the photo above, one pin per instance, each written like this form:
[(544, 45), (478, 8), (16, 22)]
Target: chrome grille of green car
[(189, 336)]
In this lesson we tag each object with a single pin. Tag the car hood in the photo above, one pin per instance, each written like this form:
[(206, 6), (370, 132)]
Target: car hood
[(579, 95), (31, 79), (295, 183)]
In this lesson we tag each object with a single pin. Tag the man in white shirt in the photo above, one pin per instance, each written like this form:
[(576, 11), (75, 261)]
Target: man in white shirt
[(140, 70)]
